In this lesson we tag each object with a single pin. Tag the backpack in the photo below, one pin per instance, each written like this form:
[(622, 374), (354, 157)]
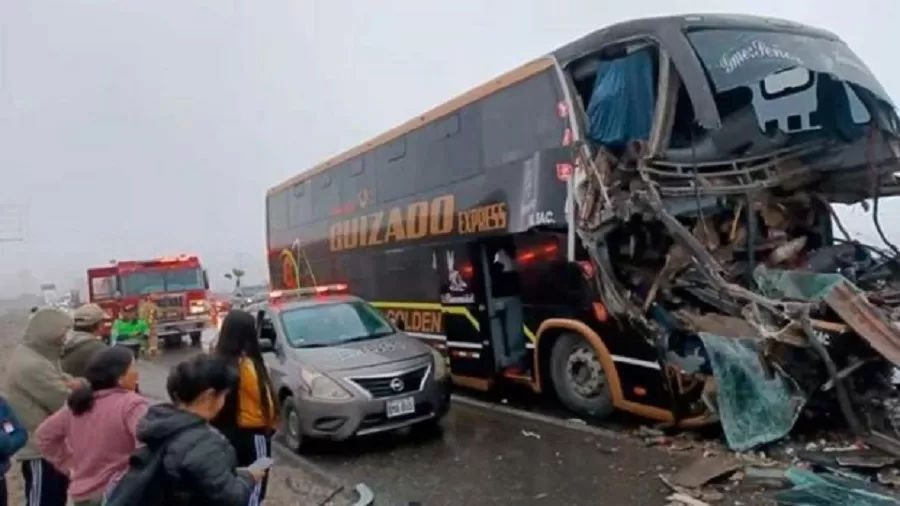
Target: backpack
[(143, 484)]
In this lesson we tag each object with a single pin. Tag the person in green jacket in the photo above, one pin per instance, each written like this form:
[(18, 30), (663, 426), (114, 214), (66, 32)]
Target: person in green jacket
[(130, 331)]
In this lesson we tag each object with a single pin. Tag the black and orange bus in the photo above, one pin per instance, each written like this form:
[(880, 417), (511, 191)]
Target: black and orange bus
[(458, 223)]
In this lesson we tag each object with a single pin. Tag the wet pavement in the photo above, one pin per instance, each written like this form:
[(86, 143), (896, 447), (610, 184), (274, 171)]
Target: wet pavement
[(486, 458)]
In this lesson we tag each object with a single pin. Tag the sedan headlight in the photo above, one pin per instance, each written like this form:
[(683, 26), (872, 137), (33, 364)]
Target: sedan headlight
[(323, 387), (440, 365)]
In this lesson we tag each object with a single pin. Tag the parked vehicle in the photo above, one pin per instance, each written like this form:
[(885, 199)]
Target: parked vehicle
[(584, 223), (341, 369), (178, 286)]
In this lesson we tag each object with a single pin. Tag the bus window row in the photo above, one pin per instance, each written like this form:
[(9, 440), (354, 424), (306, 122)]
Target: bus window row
[(509, 125)]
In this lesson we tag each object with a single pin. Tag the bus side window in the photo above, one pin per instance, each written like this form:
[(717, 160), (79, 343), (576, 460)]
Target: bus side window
[(299, 205), (277, 210), (396, 173), (521, 119), (325, 194), (451, 149)]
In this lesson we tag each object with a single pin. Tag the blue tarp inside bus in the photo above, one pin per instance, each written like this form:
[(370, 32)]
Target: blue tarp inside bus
[(623, 99)]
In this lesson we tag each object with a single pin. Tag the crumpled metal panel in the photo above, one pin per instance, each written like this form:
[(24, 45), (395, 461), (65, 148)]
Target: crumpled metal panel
[(865, 319)]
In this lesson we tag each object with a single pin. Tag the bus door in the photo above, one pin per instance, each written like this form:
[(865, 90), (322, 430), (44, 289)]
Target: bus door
[(502, 304), (466, 322)]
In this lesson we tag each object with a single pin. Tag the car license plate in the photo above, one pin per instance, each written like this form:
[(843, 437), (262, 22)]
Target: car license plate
[(400, 407)]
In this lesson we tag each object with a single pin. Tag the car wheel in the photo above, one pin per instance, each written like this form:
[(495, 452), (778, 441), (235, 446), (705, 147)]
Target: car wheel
[(195, 339), (578, 377), (290, 426)]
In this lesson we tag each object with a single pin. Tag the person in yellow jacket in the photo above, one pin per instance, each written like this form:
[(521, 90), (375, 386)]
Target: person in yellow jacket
[(250, 415)]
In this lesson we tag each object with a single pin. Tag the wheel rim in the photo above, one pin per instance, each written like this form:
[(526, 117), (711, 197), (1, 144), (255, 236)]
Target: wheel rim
[(584, 373)]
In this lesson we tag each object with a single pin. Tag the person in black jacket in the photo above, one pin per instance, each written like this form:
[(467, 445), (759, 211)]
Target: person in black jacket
[(198, 465)]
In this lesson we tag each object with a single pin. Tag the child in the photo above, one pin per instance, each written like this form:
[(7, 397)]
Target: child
[(12, 438), (183, 460)]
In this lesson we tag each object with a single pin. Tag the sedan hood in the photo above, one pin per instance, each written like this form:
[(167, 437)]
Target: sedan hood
[(394, 348)]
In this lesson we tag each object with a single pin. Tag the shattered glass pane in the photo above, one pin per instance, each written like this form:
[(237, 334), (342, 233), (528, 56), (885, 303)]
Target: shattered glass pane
[(753, 408), (738, 58), (811, 489), (796, 285)]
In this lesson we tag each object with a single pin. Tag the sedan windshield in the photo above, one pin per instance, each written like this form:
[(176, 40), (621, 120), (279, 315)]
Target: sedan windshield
[(333, 324)]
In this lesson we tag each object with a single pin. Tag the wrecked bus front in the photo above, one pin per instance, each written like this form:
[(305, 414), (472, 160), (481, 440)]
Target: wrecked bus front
[(704, 186)]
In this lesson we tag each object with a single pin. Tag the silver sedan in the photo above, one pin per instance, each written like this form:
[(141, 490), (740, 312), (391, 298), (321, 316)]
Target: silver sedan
[(341, 369)]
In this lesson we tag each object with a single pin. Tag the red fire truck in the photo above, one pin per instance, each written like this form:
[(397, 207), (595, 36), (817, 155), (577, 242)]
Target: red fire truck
[(178, 285)]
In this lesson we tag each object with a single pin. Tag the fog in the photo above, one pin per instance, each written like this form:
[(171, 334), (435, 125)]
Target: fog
[(132, 129)]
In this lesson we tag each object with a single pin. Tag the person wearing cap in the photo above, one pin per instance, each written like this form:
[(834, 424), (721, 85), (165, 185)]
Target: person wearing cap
[(86, 340), (130, 331)]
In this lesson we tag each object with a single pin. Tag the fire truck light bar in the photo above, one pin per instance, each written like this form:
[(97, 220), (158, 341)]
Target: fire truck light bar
[(308, 291)]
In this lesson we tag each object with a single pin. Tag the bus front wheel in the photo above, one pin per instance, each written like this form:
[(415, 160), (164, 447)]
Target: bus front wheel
[(578, 377)]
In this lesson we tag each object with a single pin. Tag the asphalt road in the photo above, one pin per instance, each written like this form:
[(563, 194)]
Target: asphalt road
[(486, 458)]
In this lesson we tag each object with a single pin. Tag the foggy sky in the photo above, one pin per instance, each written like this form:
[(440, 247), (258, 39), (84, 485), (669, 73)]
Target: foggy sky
[(138, 128)]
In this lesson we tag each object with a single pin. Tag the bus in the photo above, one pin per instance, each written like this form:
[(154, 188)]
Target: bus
[(466, 224)]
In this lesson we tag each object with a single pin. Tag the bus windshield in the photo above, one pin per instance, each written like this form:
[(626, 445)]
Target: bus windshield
[(162, 280), (736, 58)]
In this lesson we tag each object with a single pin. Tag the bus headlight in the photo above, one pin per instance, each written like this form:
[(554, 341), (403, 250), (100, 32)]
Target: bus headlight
[(322, 387), (440, 365)]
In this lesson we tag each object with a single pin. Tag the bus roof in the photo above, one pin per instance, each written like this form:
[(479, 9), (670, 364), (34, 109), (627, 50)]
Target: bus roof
[(475, 94), (662, 24), (564, 55)]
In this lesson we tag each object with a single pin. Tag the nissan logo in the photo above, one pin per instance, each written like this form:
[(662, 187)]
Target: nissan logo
[(397, 385)]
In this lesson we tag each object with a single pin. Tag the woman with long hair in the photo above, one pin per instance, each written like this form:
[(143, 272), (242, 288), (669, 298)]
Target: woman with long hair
[(250, 414), (92, 436)]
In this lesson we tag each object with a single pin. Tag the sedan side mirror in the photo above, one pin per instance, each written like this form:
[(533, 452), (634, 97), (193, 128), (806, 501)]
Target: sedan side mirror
[(266, 345)]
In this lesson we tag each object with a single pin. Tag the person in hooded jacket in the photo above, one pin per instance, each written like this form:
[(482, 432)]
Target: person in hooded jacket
[(92, 437), (36, 388), (199, 466), (86, 339)]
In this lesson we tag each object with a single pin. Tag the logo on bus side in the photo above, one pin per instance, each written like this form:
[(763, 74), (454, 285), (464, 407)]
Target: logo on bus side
[(417, 220)]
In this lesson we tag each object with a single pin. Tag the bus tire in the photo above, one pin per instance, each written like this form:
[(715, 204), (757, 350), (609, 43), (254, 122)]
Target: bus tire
[(578, 377)]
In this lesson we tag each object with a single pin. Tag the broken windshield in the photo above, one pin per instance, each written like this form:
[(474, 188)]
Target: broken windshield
[(737, 58)]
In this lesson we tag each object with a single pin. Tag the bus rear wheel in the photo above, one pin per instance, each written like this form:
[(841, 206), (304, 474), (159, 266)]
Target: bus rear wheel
[(578, 377)]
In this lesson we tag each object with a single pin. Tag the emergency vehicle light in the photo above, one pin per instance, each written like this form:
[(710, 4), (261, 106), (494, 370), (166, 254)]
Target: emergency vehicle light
[(308, 291)]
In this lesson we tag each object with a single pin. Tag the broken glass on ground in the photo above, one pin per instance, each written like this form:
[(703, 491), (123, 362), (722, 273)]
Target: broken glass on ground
[(813, 489)]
